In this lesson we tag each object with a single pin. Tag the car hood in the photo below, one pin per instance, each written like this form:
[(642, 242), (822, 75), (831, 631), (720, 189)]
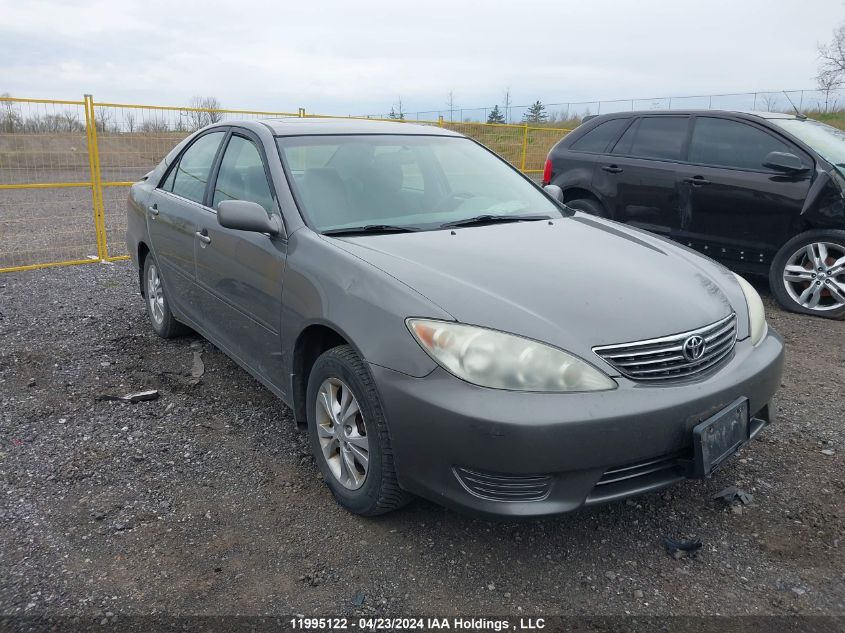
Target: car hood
[(575, 282)]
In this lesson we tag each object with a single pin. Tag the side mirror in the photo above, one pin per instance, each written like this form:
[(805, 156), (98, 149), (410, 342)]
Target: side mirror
[(554, 191), (784, 161), (243, 215)]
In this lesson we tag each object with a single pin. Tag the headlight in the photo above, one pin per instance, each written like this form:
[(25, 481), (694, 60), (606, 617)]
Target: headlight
[(504, 361), (756, 313)]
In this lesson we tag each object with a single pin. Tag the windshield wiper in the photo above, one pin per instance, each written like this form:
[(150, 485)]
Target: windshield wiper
[(492, 219), (371, 228)]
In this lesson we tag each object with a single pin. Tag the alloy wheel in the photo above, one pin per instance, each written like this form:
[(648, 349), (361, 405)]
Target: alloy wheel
[(342, 433), (814, 276), (155, 294)]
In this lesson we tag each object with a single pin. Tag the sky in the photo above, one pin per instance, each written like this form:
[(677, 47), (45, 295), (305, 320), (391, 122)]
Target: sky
[(361, 57)]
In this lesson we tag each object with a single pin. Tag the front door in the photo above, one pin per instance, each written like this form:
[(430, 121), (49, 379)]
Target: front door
[(239, 273), (736, 209), (173, 210)]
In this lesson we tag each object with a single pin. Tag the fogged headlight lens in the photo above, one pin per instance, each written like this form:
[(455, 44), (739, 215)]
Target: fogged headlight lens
[(756, 313), (503, 361)]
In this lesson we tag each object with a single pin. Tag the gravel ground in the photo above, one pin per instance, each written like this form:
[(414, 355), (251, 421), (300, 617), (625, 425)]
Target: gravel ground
[(206, 500)]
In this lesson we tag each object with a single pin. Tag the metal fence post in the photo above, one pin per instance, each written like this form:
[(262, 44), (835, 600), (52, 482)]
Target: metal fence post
[(96, 180), (524, 146)]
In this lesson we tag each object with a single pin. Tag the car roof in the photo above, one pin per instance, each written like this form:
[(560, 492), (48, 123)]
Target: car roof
[(747, 113), (305, 126)]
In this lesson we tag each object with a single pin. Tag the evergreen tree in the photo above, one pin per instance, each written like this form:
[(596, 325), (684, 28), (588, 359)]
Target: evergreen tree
[(495, 115), (536, 113)]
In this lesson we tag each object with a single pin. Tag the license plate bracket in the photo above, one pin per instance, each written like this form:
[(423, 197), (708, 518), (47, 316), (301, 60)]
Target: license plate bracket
[(720, 436)]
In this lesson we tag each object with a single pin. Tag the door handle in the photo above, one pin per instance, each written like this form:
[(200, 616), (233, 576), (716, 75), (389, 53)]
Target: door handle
[(203, 236), (612, 169), (153, 208), (698, 180)]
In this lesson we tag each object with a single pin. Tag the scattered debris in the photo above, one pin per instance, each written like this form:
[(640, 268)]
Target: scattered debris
[(638, 594), (134, 398), (197, 369), (829, 452), (358, 599), (680, 549), (732, 494)]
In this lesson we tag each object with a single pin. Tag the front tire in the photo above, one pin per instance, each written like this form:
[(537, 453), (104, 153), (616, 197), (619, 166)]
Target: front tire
[(158, 308), (808, 274), (347, 432), (588, 205)]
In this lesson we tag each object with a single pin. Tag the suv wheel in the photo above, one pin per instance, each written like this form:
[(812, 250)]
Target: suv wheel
[(808, 274), (347, 431), (588, 205), (158, 309)]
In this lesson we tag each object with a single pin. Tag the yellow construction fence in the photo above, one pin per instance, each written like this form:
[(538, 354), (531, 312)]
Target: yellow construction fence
[(66, 166)]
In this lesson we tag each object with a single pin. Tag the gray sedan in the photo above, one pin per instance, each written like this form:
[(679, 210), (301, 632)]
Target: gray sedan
[(444, 327)]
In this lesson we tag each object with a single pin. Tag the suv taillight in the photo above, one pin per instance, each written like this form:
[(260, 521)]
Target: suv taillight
[(547, 172)]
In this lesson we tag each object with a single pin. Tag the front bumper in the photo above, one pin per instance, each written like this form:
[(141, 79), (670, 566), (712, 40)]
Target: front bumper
[(441, 426)]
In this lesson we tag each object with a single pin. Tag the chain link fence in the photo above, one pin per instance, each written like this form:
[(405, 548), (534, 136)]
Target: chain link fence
[(564, 114)]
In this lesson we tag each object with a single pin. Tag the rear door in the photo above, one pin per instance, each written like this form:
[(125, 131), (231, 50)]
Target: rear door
[(573, 167), (638, 179), (736, 209), (174, 208), (240, 273)]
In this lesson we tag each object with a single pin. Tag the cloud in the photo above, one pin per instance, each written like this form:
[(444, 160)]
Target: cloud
[(344, 57)]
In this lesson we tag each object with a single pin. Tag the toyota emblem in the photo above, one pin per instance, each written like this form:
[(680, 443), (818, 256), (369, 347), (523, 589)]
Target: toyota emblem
[(694, 347)]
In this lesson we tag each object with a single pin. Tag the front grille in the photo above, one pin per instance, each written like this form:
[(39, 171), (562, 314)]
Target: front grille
[(500, 487), (639, 477), (664, 358)]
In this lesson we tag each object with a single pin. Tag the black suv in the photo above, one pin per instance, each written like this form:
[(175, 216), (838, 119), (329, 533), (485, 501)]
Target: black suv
[(760, 192)]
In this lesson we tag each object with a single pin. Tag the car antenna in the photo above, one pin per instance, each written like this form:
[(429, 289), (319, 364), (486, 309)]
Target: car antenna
[(797, 112)]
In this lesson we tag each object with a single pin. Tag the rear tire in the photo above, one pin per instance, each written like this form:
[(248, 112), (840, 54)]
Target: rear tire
[(808, 274), (158, 308), (588, 205), (348, 434)]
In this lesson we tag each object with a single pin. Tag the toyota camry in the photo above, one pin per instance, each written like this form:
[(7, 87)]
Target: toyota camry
[(444, 327)]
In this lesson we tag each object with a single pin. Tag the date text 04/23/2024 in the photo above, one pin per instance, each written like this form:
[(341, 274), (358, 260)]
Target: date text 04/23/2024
[(417, 624)]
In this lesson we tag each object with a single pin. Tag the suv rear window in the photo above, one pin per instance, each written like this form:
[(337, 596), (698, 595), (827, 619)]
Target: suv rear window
[(598, 139), (660, 137)]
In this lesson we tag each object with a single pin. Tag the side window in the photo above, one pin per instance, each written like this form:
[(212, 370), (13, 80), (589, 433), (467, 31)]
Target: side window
[(600, 137), (191, 174), (167, 185), (727, 143), (241, 175), (659, 137)]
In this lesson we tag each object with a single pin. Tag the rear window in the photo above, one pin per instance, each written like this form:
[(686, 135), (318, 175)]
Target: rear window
[(655, 137), (599, 138)]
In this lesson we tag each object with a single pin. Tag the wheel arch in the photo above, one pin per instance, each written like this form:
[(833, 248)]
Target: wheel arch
[(313, 340), (579, 191), (143, 251)]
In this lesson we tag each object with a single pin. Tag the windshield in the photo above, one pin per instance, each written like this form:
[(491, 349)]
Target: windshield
[(419, 182), (828, 141)]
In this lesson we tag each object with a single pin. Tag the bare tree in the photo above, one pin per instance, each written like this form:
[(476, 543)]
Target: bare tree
[(10, 118), (769, 101), (203, 111), (129, 118), (832, 55), (450, 103), (827, 82), (400, 113), (104, 120)]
